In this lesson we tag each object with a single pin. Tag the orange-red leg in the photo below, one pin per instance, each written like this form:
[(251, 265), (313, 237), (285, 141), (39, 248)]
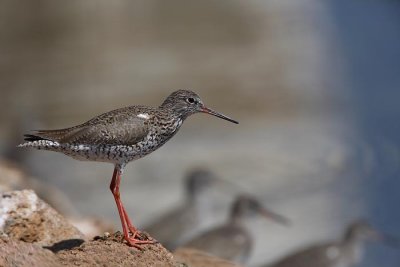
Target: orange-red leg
[(130, 231)]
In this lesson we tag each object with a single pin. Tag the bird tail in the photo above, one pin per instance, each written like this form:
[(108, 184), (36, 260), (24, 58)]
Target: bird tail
[(39, 143), (39, 140), (32, 137)]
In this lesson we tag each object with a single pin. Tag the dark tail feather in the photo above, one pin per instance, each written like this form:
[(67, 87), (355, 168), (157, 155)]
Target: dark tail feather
[(31, 137)]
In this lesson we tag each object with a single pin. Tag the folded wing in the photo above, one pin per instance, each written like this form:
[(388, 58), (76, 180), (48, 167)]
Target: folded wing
[(111, 128)]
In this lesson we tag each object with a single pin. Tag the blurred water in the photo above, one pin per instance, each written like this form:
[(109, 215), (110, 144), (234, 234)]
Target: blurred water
[(369, 33)]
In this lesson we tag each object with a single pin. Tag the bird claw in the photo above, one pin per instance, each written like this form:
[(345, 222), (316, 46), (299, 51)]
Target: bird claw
[(136, 238)]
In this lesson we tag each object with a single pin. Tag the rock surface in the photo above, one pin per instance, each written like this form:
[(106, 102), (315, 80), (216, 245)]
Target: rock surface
[(104, 251), (13, 177), (25, 217), (17, 253), (113, 251), (34, 234)]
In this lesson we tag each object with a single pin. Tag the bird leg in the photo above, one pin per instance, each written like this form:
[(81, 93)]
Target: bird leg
[(114, 186), (130, 232)]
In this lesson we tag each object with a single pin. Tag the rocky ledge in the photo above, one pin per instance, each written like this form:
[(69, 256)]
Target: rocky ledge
[(34, 234)]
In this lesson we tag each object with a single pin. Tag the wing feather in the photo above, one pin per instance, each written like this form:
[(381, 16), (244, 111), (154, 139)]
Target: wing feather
[(112, 128)]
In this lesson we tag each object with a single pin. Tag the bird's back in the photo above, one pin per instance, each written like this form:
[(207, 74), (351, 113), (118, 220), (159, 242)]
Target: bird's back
[(324, 255), (231, 242), (124, 126)]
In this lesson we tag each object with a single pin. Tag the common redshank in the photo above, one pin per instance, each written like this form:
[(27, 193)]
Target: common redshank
[(232, 240), (182, 223), (346, 252), (121, 136)]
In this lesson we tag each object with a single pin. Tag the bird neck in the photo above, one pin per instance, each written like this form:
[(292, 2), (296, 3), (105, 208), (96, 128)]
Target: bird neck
[(236, 219), (178, 111), (198, 200), (237, 213), (201, 205), (353, 238)]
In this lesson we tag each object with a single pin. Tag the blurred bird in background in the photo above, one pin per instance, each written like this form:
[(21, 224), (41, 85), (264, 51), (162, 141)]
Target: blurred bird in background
[(181, 223), (232, 241), (346, 252)]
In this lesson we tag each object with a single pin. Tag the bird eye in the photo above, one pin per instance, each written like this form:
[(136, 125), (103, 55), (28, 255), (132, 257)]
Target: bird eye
[(191, 100)]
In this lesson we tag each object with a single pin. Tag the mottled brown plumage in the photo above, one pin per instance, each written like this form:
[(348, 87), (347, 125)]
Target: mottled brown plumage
[(121, 136), (117, 127)]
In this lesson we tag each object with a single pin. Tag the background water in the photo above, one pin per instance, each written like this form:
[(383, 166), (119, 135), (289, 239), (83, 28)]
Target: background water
[(314, 85), (370, 39)]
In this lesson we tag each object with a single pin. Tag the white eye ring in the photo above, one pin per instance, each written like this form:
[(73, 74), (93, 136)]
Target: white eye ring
[(191, 100)]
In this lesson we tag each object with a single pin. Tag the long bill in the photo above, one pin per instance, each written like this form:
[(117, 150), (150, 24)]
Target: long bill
[(216, 114), (274, 216)]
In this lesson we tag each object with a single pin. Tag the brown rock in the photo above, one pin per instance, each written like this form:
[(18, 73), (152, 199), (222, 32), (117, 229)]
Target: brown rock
[(34, 234), (196, 258), (106, 251), (21, 254), (113, 251), (13, 177), (25, 217)]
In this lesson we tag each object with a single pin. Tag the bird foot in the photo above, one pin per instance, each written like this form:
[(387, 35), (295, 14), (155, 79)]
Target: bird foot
[(137, 238)]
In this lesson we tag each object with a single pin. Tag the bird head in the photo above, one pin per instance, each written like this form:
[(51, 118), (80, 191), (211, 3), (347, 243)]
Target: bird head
[(185, 103), (199, 180), (361, 230), (248, 206)]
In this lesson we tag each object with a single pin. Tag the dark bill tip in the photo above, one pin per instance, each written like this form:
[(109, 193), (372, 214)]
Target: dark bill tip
[(219, 115)]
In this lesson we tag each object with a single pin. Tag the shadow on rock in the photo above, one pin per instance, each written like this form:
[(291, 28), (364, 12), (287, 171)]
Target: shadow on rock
[(65, 244)]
